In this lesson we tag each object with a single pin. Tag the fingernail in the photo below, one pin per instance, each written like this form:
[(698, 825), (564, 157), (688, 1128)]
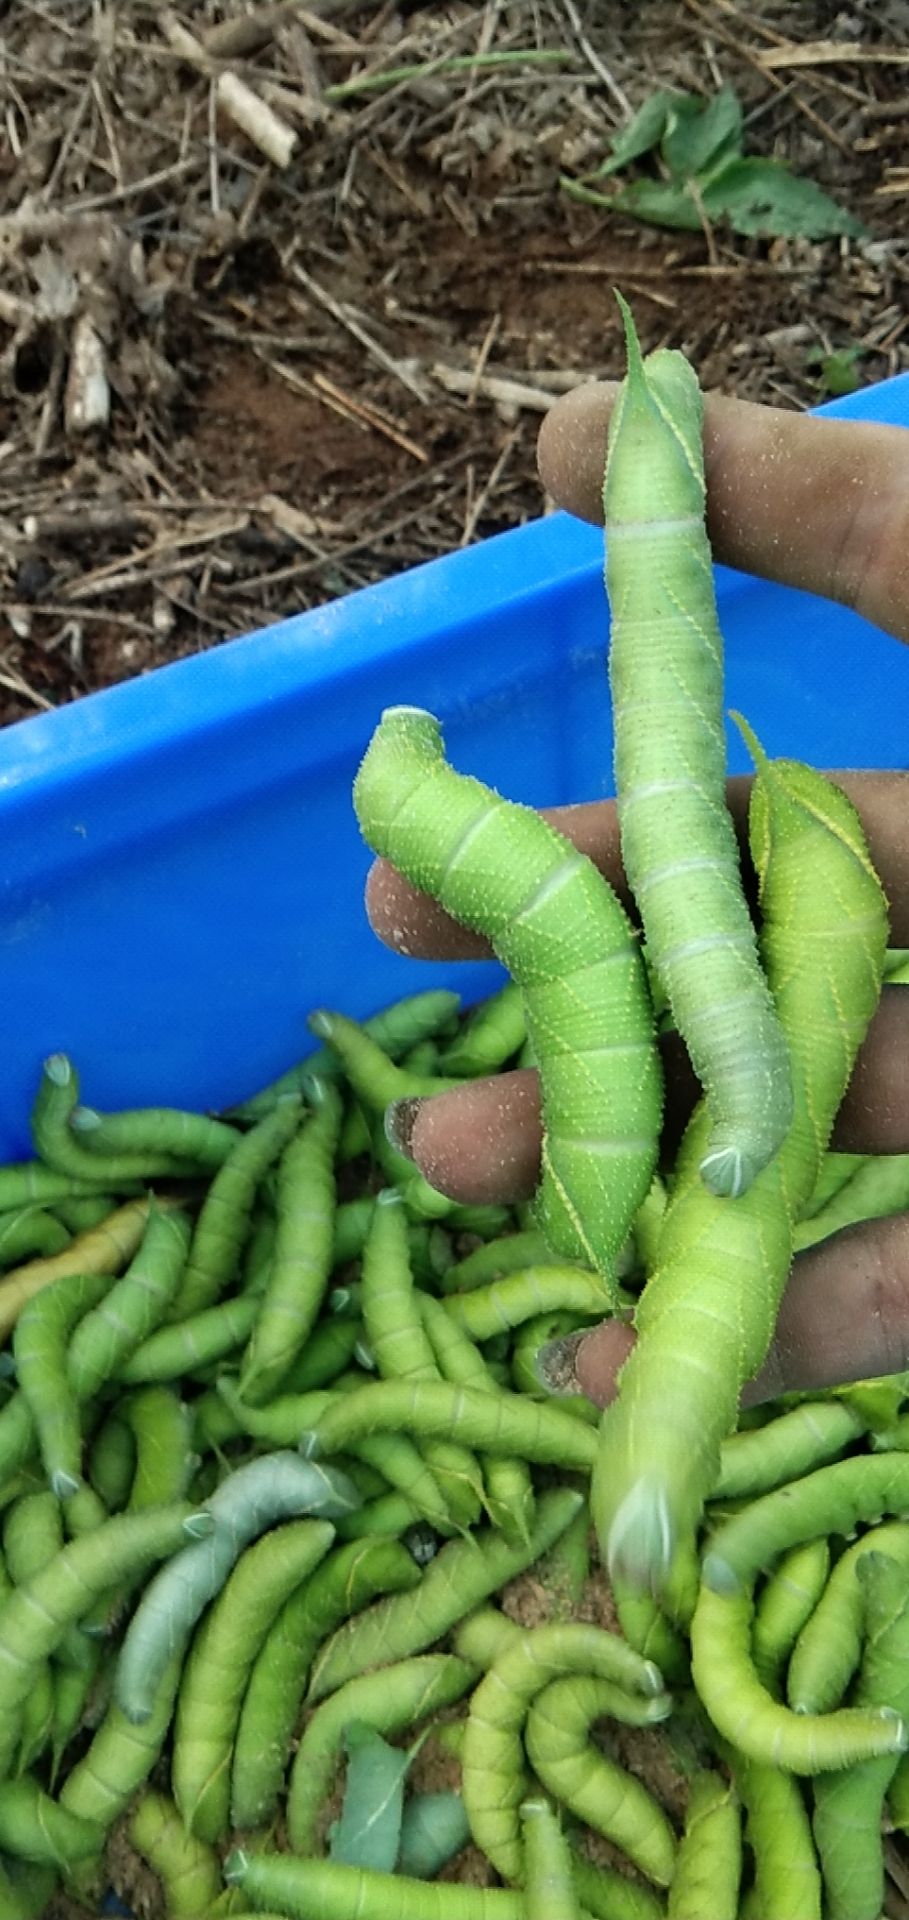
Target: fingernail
[(555, 1363), (400, 1120)]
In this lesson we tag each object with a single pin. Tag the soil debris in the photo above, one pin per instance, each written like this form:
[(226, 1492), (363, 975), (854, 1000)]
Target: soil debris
[(285, 290)]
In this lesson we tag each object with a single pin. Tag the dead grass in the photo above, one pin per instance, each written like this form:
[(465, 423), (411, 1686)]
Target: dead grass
[(273, 326)]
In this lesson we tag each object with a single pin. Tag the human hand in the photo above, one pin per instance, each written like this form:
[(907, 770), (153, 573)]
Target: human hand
[(817, 504)]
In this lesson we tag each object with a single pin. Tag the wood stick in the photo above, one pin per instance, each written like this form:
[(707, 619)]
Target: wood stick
[(231, 39), (505, 393), (86, 402), (826, 53), (243, 106)]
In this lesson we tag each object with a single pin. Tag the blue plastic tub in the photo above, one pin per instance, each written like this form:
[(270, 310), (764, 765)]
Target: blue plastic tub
[(182, 874)]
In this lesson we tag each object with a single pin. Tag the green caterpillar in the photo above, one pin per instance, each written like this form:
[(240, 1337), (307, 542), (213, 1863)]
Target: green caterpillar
[(828, 1649), (594, 1788), (493, 1778), (787, 1879), (706, 1316), (390, 1700), (678, 841), (185, 1865), (848, 1806), (709, 1861), (557, 926), (300, 1888), (550, 1892), (219, 1664)]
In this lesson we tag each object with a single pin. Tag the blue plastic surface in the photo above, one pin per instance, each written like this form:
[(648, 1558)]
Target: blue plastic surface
[(181, 876)]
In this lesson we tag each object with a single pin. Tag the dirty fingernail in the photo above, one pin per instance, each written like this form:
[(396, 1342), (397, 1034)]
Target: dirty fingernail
[(400, 1121), (556, 1363)]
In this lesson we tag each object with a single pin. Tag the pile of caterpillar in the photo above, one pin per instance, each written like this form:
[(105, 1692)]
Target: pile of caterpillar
[(275, 1453), (261, 1484)]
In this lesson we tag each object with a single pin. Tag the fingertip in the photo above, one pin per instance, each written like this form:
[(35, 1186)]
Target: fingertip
[(571, 448), (554, 1364), (375, 896), (412, 923), (480, 1143), (599, 1360)]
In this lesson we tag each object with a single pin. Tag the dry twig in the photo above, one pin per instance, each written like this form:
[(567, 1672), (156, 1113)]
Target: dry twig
[(240, 102), (291, 336)]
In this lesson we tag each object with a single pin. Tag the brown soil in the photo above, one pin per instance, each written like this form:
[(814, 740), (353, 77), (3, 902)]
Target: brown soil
[(279, 432), (279, 341)]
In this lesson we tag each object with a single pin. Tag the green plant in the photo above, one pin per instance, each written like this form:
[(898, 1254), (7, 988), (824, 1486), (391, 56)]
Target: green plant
[(368, 1832), (705, 176), (837, 368)]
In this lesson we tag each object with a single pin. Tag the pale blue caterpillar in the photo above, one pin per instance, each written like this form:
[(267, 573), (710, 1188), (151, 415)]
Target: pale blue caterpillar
[(274, 1486), (678, 841)]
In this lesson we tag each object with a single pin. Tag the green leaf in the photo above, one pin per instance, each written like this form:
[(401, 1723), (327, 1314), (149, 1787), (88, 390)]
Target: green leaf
[(434, 1829), (368, 1833), (692, 133), (763, 197), (659, 203), (751, 196), (643, 133), (700, 145), (838, 370), (694, 142)]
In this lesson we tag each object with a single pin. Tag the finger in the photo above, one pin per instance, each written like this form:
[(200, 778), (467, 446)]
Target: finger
[(874, 1116), (845, 1313), (411, 923), (480, 1143), (844, 1316), (814, 503), (414, 924)]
